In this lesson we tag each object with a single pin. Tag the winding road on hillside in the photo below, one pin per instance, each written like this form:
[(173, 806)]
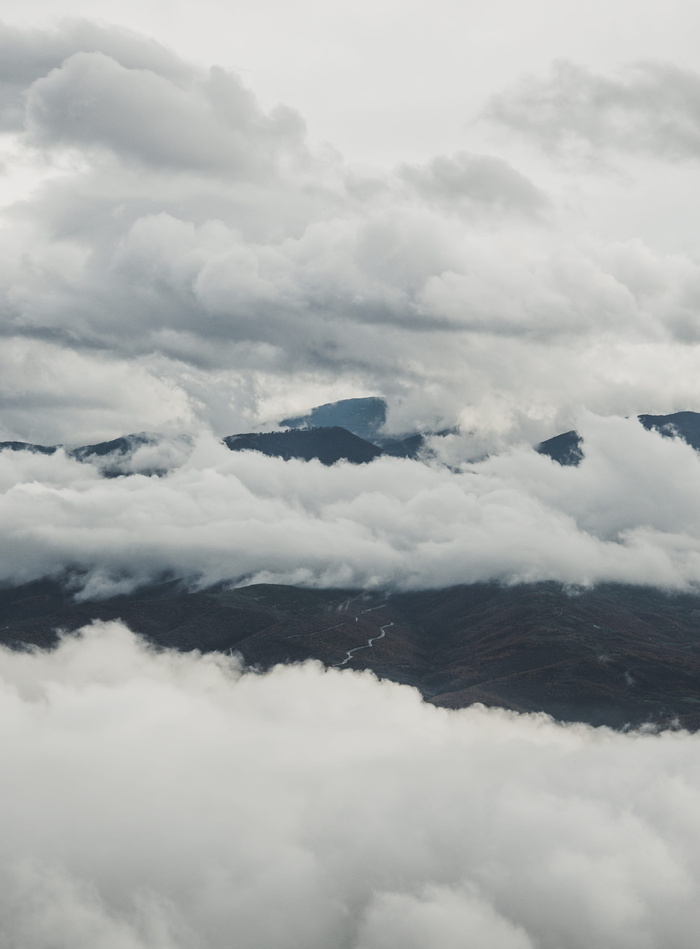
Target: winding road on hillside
[(368, 645), (341, 609)]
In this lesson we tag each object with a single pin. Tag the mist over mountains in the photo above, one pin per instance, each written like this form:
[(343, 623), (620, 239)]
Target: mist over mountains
[(497, 622), (348, 430), (567, 449), (346, 601)]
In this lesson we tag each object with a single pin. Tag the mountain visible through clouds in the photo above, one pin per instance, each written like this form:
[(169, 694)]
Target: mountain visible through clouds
[(349, 475), (364, 417), (567, 449), (329, 445), (612, 655), (615, 656)]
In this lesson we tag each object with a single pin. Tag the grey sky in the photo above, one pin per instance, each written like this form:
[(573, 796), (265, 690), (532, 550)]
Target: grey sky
[(176, 222)]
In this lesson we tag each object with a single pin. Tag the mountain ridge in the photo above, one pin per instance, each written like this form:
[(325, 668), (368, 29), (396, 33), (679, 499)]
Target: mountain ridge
[(567, 450), (333, 443), (613, 655)]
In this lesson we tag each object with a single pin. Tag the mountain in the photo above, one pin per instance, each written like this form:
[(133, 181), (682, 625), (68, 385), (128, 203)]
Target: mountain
[(362, 417), (118, 447), (145, 453), (613, 655), (346, 430), (29, 446), (408, 447), (685, 425), (327, 444), (567, 447), (564, 448), (114, 457)]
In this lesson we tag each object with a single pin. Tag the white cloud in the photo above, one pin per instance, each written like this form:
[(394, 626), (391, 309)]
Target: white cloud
[(627, 514), (164, 801), (214, 125), (650, 107), (27, 55), (51, 394), (182, 224)]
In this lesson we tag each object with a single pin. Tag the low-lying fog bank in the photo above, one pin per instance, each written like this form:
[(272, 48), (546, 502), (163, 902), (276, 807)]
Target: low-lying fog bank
[(628, 514), (169, 801)]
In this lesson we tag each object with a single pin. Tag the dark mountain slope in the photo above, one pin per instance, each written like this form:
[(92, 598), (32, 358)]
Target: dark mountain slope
[(362, 417), (567, 448), (29, 446), (112, 457), (408, 447), (614, 655), (116, 446), (327, 444), (564, 448), (685, 425)]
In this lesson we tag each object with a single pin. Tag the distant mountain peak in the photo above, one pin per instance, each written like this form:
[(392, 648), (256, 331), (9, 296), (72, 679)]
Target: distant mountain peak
[(328, 445), (363, 417), (566, 449)]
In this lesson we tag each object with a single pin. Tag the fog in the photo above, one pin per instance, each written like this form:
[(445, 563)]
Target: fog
[(628, 513), (172, 801)]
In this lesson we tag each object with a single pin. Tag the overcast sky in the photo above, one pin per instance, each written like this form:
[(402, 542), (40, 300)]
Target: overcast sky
[(215, 216)]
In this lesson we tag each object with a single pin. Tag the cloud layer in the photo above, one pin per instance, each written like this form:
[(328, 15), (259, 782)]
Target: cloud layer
[(186, 245), (165, 801), (627, 514)]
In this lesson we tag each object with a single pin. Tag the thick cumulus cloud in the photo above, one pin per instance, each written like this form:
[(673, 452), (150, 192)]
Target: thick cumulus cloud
[(167, 801), (180, 223), (28, 55), (93, 100), (628, 514), (52, 393)]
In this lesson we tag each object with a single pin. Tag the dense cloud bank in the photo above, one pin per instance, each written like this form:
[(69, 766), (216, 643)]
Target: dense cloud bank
[(628, 513), (187, 258), (167, 801)]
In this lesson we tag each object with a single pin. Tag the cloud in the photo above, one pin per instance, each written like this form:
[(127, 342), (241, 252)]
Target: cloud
[(626, 514), (51, 394), (27, 55), (467, 181), (157, 800), (652, 108), (215, 125), (184, 233)]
